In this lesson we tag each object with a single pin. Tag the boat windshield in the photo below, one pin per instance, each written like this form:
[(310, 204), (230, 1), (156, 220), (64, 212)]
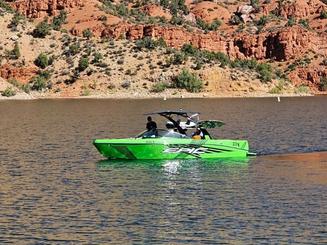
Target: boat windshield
[(161, 133)]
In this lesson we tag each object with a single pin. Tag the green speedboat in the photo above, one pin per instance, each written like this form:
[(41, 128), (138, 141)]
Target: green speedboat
[(174, 142)]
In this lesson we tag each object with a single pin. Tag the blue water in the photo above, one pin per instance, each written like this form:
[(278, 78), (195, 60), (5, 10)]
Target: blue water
[(56, 189)]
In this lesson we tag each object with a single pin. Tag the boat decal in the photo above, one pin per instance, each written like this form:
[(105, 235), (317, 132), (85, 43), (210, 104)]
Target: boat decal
[(195, 150), (125, 151)]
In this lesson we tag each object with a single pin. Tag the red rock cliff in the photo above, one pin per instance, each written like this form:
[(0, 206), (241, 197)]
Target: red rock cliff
[(41, 8), (280, 45)]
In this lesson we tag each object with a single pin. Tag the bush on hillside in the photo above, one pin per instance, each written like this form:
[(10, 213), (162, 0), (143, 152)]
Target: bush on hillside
[(15, 21), (6, 6), (14, 54), (42, 61), (38, 83), (149, 43), (83, 63), (87, 33), (73, 49), (304, 23), (262, 21), (97, 57), (8, 92), (188, 81), (204, 56), (42, 29), (159, 87), (208, 27), (323, 14), (59, 20), (323, 84), (265, 72), (291, 21)]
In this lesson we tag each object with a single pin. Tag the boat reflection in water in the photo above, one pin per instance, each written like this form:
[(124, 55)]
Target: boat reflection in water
[(171, 165)]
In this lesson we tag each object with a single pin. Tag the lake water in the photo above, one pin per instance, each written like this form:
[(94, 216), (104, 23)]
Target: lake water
[(56, 189)]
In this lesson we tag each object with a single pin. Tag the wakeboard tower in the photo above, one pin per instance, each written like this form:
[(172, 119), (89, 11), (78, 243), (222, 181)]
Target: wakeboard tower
[(175, 142)]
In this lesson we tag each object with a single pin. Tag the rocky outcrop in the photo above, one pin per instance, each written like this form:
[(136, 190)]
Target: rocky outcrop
[(41, 8), (21, 74), (300, 8), (280, 45), (156, 11), (309, 76), (209, 11)]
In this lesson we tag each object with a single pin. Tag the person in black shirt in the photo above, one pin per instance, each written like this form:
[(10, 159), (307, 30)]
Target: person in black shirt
[(151, 125)]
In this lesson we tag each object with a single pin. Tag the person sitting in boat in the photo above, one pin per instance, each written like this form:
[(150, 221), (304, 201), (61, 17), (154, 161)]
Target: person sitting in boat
[(198, 134), (151, 127)]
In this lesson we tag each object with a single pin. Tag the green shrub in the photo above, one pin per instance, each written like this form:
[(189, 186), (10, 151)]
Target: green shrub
[(175, 6), (122, 10), (13, 54), (302, 89), (255, 4), (8, 92), (15, 21), (188, 49), (304, 23), (87, 33), (97, 57), (26, 88), (14, 82), (45, 74), (291, 21), (6, 6), (203, 56), (178, 58), (149, 43), (159, 87), (262, 21), (83, 63), (74, 49), (59, 20), (177, 20), (265, 72), (188, 81), (245, 64), (42, 29), (208, 27), (278, 89), (42, 61), (38, 83), (323, 14), (323, 84)]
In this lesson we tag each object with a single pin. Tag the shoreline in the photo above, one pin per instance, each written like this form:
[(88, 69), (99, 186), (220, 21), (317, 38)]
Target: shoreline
[(142, 97)]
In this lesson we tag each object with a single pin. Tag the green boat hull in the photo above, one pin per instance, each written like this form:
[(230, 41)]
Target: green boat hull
[(171, 148)]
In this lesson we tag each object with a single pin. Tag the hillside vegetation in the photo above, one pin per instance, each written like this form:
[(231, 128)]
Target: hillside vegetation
[(162, 48)]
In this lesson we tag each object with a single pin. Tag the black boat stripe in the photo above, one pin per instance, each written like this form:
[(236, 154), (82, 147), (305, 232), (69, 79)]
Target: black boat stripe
[(125, 151)]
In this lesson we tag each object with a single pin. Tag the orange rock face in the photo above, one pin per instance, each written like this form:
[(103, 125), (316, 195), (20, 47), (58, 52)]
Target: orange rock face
[(309, 76), (209, 11), (156, 11), (41, 8), (300, 8), (21, 74), (281, 45)]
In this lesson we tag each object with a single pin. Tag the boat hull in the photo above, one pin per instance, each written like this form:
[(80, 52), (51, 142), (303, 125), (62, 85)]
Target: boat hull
[(169, 148)]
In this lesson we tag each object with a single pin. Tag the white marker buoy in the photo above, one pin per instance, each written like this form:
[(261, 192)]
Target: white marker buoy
[(278, 99)]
